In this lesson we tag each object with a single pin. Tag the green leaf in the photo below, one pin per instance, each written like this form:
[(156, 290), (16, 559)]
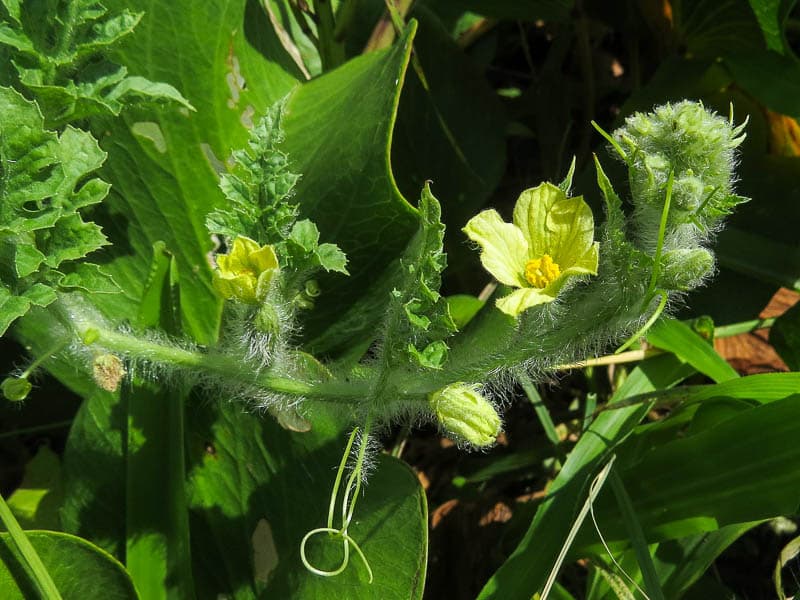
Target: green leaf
[(90, 279), (678, 338), (157, 552), (27, 259), (462, 308), (527, 568), (78, 568), (305, 234), (785, 337), (61, 59), (40, 294), (356, 204), (94, 471), (331, 258), (729, 473), (771, 14), (450, 127), (11, 307), (710, 28), (247, 524), (417, 311), (140, 89), (44, 185), (37, 500)]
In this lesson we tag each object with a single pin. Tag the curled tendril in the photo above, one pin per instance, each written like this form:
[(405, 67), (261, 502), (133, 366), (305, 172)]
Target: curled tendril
[(348, 509)]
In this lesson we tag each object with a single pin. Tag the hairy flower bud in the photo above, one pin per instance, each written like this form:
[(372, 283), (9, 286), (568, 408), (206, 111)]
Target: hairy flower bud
[(464, 412)]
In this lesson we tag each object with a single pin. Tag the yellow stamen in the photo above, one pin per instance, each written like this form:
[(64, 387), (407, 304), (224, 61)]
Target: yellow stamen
[(541, 272)]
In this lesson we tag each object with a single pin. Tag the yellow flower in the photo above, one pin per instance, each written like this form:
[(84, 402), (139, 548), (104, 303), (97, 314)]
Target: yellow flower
[(550, 240), (244, 274)]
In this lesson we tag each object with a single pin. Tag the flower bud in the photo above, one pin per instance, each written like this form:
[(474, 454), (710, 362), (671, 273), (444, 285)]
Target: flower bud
[(15, 389), (108, 371), (245, 273), (267, 320), (464, 412), (685, 268)]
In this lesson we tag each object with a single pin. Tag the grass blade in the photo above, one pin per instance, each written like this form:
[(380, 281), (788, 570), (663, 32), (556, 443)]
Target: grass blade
[(678, 338), (638, 541), (39, 574)]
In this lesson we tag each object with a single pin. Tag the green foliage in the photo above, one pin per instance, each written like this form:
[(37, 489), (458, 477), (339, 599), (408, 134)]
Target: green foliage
[(58, 52), (202, 451), (418, 312), (78, 569), (45, 182), (260, 195)]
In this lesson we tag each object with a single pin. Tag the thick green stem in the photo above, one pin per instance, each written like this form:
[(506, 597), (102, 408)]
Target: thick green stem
[(226, 367)]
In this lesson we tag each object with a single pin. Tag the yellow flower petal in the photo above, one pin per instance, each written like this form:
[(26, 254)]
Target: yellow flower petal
[(586, 264), (505, 250), (240, 287), (264, 259), (524, 298), (554, 224)]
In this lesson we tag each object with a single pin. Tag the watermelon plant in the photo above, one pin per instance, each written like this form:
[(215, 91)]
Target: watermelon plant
[(247, 248)]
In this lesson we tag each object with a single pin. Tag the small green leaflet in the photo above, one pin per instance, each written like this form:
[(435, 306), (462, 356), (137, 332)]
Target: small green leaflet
[(425, 319), (260, 188)]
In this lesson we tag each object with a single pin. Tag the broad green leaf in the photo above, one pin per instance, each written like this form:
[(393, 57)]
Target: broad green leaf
[(94, 471), (164, 165), (734, 472), (37, 500), (156, 518), (78, 569), (349, 114), (527, 568), (157, 553), (678, 338), (462, 308), (247, 523), (450, 128), (785, 337)]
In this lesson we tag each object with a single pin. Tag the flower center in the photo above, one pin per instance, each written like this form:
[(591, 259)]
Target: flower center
[(541, 272)]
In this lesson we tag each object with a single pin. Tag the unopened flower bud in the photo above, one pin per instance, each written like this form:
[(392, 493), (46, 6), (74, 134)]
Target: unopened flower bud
[(108, 371), (15, 389), (267, 320), (464, 412)]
